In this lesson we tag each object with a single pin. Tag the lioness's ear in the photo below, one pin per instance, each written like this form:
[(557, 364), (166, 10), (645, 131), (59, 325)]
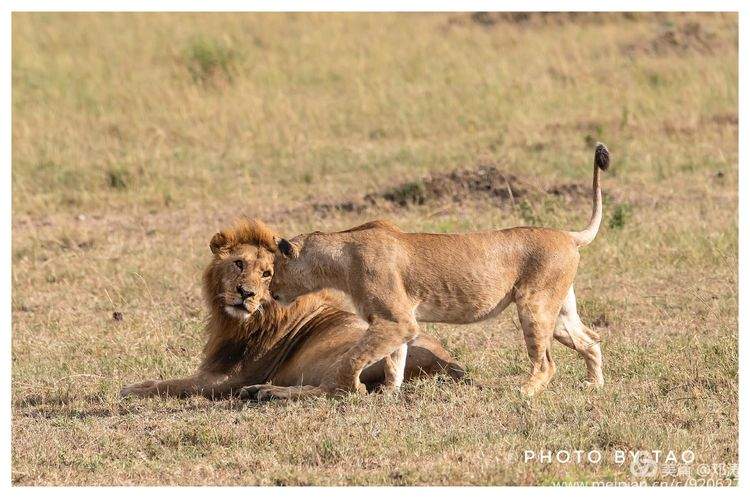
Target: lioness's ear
[(218, 242), (286, 248)]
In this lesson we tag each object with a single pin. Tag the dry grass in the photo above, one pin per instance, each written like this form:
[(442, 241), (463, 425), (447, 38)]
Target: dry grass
[(136, 136)]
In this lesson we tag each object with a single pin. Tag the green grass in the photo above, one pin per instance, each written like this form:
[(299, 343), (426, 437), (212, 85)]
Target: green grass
[(208, 58), (137, 136)]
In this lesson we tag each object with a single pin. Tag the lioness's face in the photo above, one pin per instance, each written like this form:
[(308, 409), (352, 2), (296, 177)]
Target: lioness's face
[(244, 273), (290, 276)]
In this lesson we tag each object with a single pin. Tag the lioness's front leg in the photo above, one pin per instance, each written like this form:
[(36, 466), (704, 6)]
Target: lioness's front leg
[(393, 368), (383, 337)]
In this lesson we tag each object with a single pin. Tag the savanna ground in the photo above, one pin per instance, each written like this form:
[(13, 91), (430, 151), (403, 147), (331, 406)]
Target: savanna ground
[(137, 136)]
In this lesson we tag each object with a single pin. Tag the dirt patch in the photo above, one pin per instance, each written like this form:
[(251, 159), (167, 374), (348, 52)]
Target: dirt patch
[(729, 119), (570, 190), (677, 39), (486, 183), (455, 186), (492, 19)]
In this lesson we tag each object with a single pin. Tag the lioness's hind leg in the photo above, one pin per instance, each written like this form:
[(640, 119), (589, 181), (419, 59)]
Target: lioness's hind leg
[(570, 331), (537, 316)]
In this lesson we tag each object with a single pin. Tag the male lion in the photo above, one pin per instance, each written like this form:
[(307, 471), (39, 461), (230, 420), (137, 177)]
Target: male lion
[(255, 341), (398, 279)]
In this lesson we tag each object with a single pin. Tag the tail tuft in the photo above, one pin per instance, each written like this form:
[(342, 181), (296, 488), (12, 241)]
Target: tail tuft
[(601, 162), (601, 156)]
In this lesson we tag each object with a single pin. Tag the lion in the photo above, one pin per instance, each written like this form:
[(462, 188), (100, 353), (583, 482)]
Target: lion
[(272, 349), (398, 279)]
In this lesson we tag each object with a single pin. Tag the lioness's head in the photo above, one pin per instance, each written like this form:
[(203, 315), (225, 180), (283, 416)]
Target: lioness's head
[(291, 270), (236, 282), (314, 261)]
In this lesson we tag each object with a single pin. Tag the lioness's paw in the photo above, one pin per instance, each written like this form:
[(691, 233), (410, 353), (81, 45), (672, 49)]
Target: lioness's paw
[(592, 385), (389, 389), (530, 389)]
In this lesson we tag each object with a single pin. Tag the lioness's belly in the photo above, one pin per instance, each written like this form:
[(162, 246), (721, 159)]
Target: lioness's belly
[(460, 310)]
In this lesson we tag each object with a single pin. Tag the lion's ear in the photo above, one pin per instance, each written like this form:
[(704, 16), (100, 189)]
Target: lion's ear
[(286, 248), (218, 242)]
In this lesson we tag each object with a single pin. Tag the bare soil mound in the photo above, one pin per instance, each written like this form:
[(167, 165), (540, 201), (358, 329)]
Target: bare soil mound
[(486, 183)]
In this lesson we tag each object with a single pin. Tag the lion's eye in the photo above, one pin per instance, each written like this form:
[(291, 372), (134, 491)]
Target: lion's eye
[(240, 264), (266, 274)]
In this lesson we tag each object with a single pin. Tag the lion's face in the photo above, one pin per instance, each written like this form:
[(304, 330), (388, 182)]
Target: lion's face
[(243, 275)]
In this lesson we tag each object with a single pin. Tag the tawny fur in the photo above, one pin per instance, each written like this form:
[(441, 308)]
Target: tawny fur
[(398, 279), (277, 350)]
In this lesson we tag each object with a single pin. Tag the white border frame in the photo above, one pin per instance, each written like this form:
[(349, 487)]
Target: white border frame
[(369, 6)]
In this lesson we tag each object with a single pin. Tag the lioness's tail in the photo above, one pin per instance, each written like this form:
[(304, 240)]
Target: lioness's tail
[(601, 162)]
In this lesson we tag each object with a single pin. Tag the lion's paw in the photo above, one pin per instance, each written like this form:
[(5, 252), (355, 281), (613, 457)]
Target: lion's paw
[(141, 389), (259, 392)]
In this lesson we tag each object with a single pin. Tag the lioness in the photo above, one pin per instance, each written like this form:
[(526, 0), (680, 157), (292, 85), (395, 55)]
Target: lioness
[(255, 341), (398, 279)]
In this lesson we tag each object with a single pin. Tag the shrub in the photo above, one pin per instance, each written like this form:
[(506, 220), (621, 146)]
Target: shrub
[(620, 215), (208, 59)]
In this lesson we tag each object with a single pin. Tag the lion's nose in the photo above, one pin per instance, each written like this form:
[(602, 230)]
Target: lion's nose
[(244, 293)]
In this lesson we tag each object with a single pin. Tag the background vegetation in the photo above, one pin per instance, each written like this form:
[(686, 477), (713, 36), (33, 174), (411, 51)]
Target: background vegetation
[(137, 136)]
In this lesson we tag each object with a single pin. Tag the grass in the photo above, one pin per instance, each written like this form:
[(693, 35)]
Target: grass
[(137, 136)]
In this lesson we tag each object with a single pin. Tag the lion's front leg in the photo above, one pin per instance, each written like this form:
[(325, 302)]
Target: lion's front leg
[(187, 386), (143, 389)]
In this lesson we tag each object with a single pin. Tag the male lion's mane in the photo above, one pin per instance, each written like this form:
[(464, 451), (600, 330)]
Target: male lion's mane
[(259, 344)]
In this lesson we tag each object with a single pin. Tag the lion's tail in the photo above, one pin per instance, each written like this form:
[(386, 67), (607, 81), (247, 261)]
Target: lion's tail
[(601, 162)]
